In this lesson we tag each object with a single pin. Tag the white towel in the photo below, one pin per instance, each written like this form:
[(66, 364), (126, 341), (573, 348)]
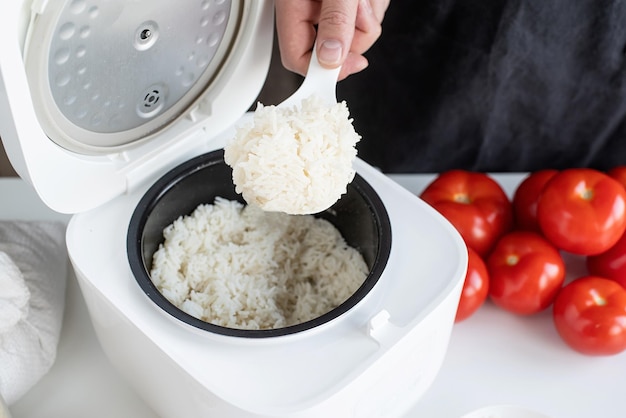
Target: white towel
[(33, 275)]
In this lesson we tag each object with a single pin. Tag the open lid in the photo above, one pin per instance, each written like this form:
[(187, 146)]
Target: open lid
[(98, 96)]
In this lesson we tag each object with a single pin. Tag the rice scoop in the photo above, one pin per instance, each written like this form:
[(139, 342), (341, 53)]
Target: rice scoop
[(294, 160)]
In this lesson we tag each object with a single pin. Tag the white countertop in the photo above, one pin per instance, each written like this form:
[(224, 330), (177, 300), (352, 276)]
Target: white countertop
[(493, 358)]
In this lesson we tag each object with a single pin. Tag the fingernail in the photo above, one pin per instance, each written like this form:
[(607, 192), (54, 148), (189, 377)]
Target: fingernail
[(330, 52)]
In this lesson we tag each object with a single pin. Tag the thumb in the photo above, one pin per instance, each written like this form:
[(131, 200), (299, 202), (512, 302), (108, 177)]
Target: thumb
[(335, 31)]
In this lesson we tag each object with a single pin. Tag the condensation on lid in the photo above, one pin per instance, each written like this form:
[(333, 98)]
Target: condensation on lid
[(111, 73)]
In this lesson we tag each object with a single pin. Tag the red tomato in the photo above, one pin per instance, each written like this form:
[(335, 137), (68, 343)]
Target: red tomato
[(526, 197), (475, 287), (590, 315), (474, 203), (619, 174), (526, 273), (611, 263), (582, 211)]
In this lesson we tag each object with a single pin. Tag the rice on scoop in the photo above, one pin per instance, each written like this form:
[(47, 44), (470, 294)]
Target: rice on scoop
[(294, 160), (241, 267)]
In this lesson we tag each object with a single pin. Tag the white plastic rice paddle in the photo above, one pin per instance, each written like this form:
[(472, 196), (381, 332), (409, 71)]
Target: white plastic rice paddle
[(319, 81), (308, 183)]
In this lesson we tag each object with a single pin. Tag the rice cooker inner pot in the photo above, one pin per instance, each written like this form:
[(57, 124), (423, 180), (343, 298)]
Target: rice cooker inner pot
[(359, 215)]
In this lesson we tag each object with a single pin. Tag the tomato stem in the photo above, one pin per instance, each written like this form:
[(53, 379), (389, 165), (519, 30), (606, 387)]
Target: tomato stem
[(512, 260), (597, 299), (462, 198), (587, 194)]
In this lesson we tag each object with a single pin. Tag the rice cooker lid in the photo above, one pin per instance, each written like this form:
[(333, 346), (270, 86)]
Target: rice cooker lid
[(116, 87)]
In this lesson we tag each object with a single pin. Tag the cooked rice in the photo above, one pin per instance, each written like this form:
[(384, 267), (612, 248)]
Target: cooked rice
[(241, 267), (294, 160)]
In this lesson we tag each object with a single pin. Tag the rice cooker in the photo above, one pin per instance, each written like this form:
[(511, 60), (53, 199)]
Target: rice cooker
[(117, 112)]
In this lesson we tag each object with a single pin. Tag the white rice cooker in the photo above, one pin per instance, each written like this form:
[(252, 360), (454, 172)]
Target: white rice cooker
[(105, 108)]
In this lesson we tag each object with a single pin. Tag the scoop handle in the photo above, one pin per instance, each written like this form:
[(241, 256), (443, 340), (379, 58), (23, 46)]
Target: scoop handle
[(318, 80)]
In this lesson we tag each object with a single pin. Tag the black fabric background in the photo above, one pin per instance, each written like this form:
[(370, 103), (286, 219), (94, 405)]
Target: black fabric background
[(495, 86)]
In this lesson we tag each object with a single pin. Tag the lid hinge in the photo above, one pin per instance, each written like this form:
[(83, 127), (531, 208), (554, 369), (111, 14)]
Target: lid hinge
[(162, 159)]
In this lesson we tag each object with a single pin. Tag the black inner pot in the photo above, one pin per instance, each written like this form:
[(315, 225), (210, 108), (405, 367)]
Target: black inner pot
[(359, 215)]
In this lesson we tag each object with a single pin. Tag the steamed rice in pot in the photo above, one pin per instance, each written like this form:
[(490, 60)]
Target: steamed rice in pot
[(241, 267)]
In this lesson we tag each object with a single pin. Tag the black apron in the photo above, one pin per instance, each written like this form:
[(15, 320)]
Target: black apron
[(494, 86)]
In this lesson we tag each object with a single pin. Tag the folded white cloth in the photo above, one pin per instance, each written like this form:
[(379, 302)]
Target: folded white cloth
[(4, 409), (33, 275)]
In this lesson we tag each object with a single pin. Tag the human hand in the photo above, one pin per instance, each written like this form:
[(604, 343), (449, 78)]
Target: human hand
[(345, 30)]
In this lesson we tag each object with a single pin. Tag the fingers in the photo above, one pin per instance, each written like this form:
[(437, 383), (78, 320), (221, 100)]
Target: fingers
[(295, 28), (353, 64), (335, 31), (370, 14), (368, 24), (379, 8), (366, 29), (346, 29)]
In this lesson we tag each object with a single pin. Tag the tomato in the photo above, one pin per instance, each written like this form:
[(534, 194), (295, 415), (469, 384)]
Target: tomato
[(475, 287), (590, 315), (582, 211), (619, 174), (611, 263), (474, 203), (526, 273), (526, 198)]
